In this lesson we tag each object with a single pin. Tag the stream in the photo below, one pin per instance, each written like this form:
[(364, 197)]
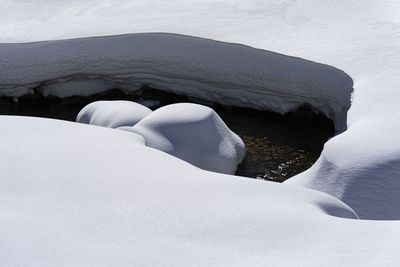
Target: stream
[(277, 147)]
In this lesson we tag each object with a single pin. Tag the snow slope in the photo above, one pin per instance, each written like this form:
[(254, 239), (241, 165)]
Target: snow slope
[(116, 202)]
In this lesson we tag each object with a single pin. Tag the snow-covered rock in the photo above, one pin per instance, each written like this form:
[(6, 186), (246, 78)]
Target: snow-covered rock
[(225, 73), (193, 133), (112, 114)]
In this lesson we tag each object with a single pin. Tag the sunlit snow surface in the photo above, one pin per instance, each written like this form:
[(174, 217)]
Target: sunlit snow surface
[(194, 133), (80, 194), (89, 201), (191, 132), (112, 114)]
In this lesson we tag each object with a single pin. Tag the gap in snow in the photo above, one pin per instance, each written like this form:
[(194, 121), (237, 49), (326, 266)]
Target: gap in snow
[(278, 146)]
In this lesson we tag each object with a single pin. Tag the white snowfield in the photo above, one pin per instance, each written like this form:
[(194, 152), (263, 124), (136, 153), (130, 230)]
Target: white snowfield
[(103, 198), (76, 194)]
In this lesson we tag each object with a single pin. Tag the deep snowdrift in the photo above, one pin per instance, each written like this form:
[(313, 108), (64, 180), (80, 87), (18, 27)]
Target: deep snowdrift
[(230, 74), (76, 194)]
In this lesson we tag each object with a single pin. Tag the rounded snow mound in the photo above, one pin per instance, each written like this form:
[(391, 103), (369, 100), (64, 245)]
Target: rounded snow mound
[(193, 133), (112, 114)]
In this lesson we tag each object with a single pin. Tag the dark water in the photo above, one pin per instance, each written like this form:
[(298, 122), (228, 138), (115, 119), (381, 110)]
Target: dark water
[(277, 147)]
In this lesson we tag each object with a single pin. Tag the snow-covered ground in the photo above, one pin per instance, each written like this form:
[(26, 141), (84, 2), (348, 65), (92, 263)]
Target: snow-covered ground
[(98, 199), (75, 194)]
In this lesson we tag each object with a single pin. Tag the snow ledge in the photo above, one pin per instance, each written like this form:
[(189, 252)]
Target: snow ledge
[(225, 73)]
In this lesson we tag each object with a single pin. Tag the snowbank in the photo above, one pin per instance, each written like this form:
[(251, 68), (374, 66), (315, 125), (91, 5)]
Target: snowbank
[(193, 133), (225, 73), (114, 201), (112, 114)]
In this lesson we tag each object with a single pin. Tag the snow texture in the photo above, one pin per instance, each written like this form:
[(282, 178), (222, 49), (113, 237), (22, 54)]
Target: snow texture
[(72, 201), (195, 134), (191, 132), (112, 114), (225, 73), (76, 194)]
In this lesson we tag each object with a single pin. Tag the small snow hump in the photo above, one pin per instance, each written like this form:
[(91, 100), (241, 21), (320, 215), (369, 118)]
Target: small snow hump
[(112, 114), (193, 133)]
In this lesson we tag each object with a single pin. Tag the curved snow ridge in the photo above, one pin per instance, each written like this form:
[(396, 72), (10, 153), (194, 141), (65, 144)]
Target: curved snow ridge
[(226, 73)]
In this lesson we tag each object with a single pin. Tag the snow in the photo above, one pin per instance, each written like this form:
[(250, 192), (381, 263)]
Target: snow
[(122, 203), (112, 114), (195, 134), (191, 132), (114, 201), (220, 72)]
